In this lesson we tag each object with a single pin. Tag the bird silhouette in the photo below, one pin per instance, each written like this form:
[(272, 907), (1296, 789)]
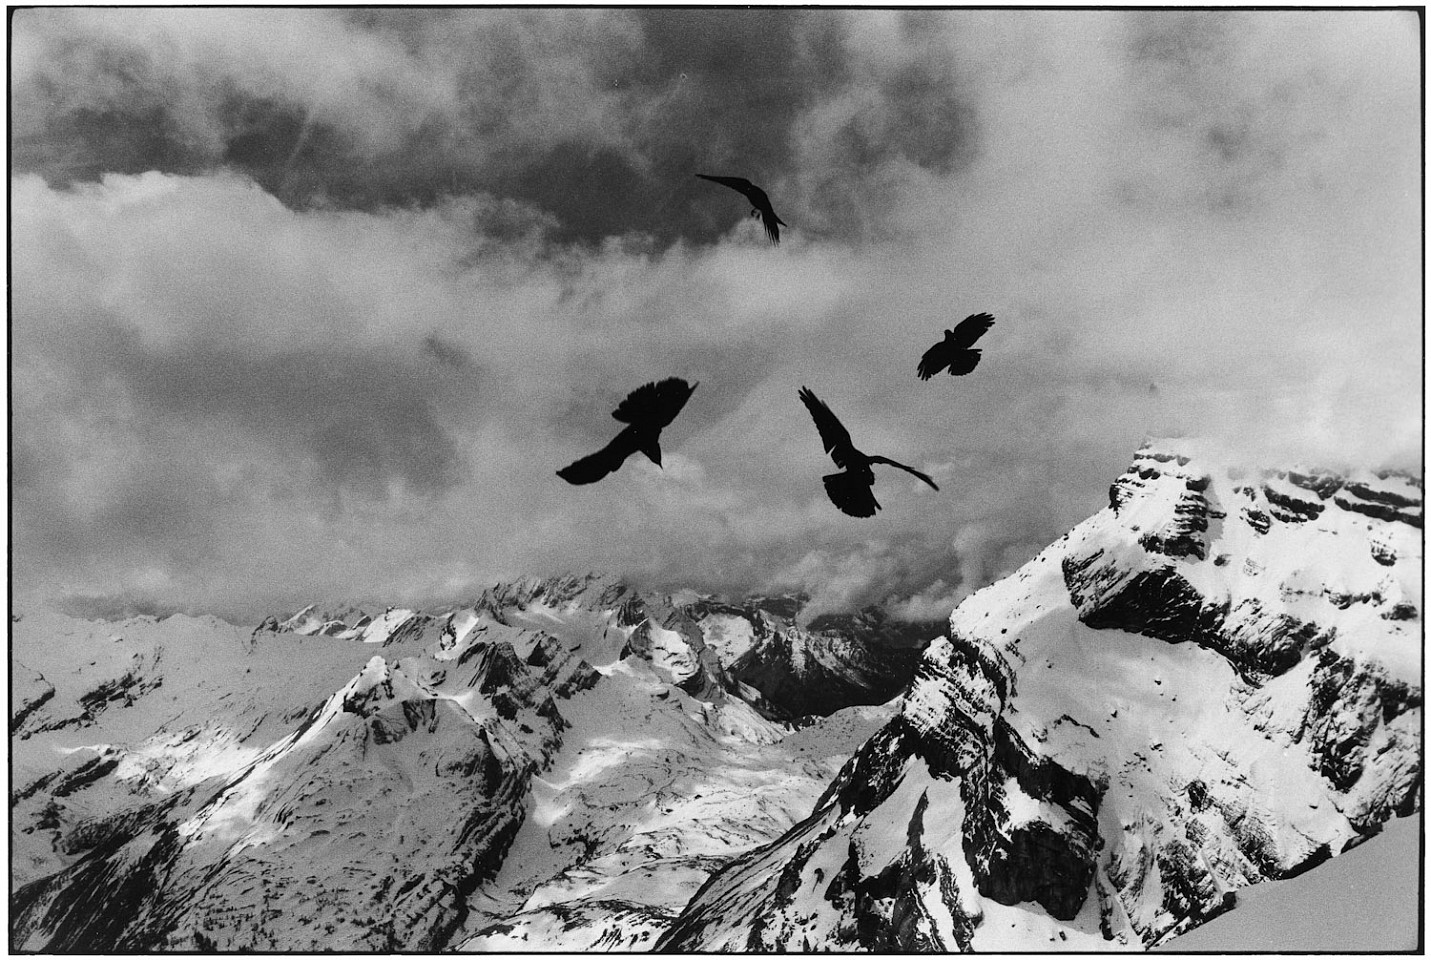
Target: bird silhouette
[(647, 410), (852, 490), (759, 203), (954, 350)]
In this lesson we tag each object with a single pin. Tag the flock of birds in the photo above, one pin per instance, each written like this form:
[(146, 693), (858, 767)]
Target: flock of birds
[(651, 408)]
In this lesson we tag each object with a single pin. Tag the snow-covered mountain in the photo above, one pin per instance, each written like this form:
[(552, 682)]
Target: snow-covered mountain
[(1213, 682), (560, 763)]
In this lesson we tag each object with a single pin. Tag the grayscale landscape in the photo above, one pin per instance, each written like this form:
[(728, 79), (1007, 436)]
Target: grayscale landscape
[(703, 480)]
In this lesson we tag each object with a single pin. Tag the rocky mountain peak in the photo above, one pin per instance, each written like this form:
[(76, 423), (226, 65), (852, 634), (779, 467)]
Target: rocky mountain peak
[(591, 590), (1212, 682)]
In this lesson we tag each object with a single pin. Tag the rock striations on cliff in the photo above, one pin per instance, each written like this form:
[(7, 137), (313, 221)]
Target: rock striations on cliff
[(1213, 682)]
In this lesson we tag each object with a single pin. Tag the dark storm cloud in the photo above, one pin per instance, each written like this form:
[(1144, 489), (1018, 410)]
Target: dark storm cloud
[(728, 87), (749, 86), (605, 134)]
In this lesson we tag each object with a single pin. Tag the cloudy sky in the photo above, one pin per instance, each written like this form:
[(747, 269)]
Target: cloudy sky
[(311, 304)]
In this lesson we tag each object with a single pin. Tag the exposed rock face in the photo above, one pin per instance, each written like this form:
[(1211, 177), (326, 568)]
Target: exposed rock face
[(1214, 682), (311, 823), (754, 650), (31, 692), (668, 637), (591, 591), (1167, 479), (789, 671), (1259, 623), (1395, 499), (356, 778), (944, 806), (589, 925), (263, 802), (124, 683)]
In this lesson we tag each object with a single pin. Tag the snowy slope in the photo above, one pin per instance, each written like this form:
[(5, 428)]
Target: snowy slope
[(364, 827), (651, 813), (560, 763), (1211, 683), (119, 713)]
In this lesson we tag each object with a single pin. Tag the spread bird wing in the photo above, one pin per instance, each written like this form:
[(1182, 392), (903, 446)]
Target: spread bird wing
[(905, 468), (832, 433), (971, 328), (852, 494), (736, 183), (757, 198), (608, 459), (936, 358), (655, 404)]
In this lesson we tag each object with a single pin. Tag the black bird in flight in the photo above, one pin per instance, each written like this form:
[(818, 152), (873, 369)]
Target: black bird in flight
[(647, 410), (853, 489), (759, 203), (954, 350)]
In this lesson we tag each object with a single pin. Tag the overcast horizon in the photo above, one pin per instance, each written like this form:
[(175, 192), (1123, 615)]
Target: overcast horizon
[(311, 304)]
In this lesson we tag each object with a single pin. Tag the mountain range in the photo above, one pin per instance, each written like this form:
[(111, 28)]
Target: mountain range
[(1211, 683)]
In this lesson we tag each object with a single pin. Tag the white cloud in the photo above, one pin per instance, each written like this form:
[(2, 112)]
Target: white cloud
[(934, 602), (247, 398)]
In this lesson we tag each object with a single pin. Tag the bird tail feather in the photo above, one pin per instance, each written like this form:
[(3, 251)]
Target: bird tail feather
[(964, 362)]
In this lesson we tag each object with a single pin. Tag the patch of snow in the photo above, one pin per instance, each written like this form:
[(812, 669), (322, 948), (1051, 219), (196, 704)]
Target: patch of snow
[(730, 636)]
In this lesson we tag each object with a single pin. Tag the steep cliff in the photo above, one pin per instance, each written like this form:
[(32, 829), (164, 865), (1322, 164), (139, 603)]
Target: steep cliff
[(1213, 682)]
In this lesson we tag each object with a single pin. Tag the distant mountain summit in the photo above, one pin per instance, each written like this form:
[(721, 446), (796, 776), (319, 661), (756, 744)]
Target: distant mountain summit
[(834, 661), (355, 777), (1213, 682), (752, 650)]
